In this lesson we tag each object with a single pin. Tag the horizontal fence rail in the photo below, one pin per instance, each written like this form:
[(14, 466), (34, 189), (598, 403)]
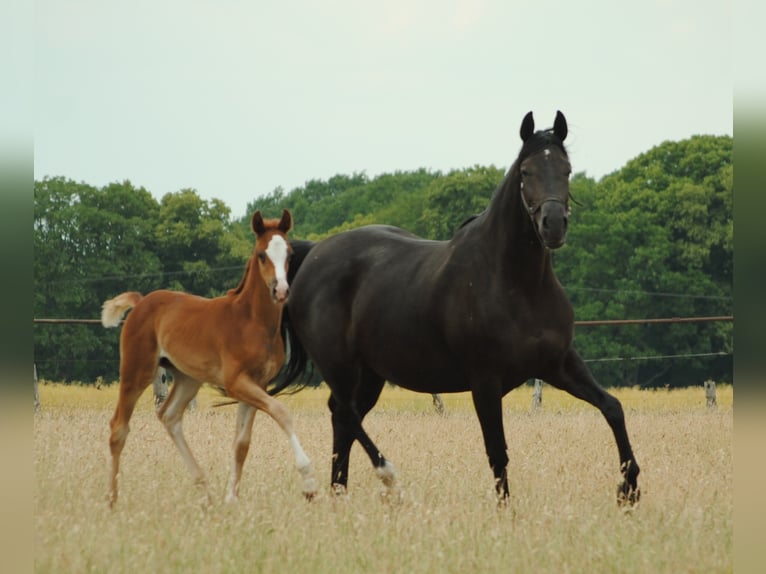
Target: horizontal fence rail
[(651, 321), (577, 323)]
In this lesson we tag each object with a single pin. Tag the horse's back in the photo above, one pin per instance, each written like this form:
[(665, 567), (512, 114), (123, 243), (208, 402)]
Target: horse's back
[(352, 263), (372, 295)]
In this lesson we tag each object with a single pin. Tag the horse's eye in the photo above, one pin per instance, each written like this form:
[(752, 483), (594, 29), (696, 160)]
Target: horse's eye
[(524, 173), (262, 256)]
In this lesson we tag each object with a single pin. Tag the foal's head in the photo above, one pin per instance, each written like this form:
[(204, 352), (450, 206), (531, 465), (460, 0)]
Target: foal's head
[(272, 252), (544, 171)]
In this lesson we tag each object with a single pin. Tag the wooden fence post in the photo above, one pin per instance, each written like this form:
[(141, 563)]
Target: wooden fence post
[(438, 403), (160, 387), (710, 394), (37, 393), (537, 395)]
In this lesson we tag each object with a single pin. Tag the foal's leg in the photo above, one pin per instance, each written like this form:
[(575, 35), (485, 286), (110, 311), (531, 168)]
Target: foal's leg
[(348, 410), (577, 380), (246, 390), (171, 414), (245, 418), (120, 427), (135, 375)]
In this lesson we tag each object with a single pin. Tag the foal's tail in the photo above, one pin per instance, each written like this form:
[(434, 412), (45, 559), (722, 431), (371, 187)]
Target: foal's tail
[(298, 370), (114, 309)]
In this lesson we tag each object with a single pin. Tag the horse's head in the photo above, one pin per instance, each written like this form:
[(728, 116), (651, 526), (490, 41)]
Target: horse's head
[(272, 252), (544, 171)]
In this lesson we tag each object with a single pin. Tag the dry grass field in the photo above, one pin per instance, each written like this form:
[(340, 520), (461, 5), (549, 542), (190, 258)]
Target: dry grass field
[(562, 516)]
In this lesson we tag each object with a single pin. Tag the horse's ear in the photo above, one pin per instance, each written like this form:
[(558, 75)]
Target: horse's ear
[(286, 223), (256, 224), (527, 127), (560, 126)]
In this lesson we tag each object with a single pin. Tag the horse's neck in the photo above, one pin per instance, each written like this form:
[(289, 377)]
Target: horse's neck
[(519, 254)]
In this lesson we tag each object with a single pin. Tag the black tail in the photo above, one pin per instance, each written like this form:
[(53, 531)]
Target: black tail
[(298, 369)]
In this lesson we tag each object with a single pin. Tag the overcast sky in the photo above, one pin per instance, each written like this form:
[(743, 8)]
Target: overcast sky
[(235, 98)]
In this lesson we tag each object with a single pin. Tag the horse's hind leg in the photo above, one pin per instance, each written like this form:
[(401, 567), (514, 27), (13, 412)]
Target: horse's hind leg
[(171, 414), (349, 405), (577, 380), (245, 418)]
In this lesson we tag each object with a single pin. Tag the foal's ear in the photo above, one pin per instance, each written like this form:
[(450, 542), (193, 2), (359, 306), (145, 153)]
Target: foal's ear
[(256, 224), (560, 126), (286, 223), (527, 127)]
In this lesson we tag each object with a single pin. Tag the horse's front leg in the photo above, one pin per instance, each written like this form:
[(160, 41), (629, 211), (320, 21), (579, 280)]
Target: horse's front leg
[(487, 400), (245, 419), (575, 378)]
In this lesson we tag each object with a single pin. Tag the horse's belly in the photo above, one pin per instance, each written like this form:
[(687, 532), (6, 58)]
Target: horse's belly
[(416, 369), (434, 381)]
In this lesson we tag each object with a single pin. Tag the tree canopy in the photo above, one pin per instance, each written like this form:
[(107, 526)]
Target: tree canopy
[(653, 239)]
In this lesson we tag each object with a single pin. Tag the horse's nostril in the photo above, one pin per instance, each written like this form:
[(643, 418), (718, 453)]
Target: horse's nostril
[(545, 222)]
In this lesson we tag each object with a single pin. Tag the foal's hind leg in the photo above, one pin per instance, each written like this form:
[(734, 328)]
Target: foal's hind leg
[(577, 380), (171, 414), (245, 418), (134, 378)]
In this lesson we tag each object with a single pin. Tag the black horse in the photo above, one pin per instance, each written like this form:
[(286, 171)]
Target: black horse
[(483, 312)]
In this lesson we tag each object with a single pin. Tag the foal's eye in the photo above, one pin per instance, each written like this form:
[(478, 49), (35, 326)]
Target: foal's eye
[(261, 256)]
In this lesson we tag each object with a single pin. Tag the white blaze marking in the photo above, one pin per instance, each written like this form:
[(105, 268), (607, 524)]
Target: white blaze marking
[(277, 252)]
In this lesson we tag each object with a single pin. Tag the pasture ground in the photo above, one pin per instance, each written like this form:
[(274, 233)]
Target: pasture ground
[(562, 515)]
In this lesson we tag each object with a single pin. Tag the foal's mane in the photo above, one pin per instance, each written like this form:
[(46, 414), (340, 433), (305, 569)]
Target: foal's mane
[(238, 289)]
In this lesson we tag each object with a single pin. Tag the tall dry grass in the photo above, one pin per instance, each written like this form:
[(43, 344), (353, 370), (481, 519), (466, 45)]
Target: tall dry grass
[(562, 515)]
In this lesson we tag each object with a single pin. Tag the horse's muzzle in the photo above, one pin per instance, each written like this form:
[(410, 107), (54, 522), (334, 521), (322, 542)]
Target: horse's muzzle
[(552, 223)]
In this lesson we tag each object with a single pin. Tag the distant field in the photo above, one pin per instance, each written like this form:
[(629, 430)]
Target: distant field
[(563, 476)]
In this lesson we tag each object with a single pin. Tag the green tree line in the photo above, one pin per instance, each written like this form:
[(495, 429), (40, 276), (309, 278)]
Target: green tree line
[(653, 239)]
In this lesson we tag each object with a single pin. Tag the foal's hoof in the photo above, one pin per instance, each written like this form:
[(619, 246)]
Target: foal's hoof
[(628, 496), (310, 489)]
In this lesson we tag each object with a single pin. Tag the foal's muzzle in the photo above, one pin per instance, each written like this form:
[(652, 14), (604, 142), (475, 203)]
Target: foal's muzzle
[(280, 290)]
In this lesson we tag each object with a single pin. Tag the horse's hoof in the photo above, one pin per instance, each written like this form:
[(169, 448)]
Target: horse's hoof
[(392, 496), (339, 490), (387, 474), (628, 496)]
